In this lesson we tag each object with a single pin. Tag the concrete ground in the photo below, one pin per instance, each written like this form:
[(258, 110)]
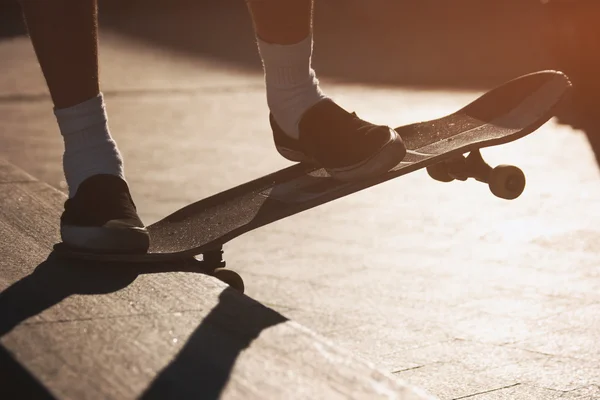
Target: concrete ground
[(444, 285)]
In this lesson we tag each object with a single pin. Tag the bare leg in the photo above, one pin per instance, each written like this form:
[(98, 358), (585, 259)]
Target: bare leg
[(64, 34), (282, 22)]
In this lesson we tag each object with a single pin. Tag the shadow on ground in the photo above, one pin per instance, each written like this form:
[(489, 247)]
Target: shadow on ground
[(200, 370), (16, 379)]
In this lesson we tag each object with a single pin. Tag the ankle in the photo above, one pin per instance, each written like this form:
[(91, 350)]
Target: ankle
[(289, 105), (89, 148), (291, 83)]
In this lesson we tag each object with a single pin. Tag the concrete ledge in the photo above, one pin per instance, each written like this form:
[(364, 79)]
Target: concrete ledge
[(75, 331)]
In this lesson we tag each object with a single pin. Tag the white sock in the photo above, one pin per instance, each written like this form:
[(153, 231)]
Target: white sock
[(292, 87), (89, 148)]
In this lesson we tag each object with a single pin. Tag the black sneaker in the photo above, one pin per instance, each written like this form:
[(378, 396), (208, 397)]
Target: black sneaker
[(348, 147), (102, 217)]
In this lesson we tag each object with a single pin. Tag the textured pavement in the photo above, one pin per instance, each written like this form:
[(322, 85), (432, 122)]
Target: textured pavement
[(444, 285), (79, 330)]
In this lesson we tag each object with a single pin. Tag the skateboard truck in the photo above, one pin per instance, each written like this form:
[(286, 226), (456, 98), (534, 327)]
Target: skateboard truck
[(214, 257), (504, 181), (212, 261)]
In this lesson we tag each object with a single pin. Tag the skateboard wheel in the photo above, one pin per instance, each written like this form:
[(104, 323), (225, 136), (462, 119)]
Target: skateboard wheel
[(507, 182), (439, 172), (230, 277)]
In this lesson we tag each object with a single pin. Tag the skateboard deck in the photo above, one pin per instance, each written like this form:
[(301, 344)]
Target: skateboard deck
[(499, 116)]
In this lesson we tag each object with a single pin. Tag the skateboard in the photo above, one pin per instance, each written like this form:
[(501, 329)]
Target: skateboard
[(502, 115)]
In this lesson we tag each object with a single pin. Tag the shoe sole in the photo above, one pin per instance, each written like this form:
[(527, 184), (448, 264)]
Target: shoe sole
[(294, 155), (388, 156), (121, 240)]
